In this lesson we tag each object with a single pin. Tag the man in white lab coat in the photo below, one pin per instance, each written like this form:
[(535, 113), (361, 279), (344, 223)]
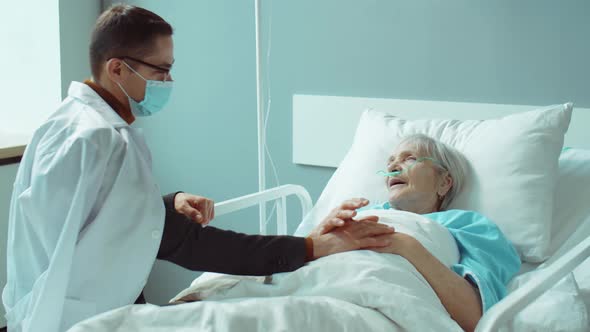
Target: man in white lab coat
[(87, 219)]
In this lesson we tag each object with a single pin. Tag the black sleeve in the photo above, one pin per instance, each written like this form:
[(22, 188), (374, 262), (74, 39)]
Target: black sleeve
[(198, 248)]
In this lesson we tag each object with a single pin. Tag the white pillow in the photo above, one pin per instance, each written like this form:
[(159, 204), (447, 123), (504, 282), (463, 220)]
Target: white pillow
[(513, 166), (572, 195)]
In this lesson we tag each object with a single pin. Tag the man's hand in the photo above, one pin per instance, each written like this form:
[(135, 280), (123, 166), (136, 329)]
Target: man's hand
[(199, 209), (341, 215)]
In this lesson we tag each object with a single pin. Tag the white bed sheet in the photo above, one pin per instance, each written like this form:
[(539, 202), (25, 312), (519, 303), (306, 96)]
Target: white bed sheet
[(312, 298), (349, 292), (320, 304)]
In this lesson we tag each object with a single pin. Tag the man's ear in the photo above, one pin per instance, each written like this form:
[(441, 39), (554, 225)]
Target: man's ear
[(445, 184), (114, 70)]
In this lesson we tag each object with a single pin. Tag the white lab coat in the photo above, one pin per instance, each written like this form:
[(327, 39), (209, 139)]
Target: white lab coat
[(86, 218)]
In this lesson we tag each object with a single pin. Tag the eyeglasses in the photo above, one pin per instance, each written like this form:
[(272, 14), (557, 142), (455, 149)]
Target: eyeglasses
[(163, 69)]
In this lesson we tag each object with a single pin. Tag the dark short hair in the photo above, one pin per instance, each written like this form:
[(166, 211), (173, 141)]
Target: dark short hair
[(124, 30)]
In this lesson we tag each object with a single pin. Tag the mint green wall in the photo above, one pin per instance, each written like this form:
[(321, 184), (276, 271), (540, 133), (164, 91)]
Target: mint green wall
[(76, 20), (515, 52), (518, 52), (205, 141), (525, 52)]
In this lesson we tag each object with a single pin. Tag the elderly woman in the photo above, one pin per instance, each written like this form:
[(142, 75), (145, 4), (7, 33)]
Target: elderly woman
[(423, 176)]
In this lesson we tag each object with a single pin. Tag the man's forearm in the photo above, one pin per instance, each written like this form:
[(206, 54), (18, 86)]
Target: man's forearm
[(458, 296), (193, 247)]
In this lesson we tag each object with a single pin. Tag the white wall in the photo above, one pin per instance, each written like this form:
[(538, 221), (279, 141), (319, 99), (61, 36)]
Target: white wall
[(31, 65)]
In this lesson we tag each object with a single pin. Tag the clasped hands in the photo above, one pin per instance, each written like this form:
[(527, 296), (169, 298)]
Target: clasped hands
[(338, 232)]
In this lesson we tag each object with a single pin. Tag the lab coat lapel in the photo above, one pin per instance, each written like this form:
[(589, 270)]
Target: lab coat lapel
[(89, 97)]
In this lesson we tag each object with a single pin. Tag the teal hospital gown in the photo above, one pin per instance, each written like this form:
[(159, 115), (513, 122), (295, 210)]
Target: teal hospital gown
[(488, 259)]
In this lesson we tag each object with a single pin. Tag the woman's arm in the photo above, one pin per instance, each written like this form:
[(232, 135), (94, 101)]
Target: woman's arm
[(459, 297)]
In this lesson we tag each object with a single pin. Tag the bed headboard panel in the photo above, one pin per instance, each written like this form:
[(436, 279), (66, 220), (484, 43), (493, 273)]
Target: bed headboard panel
[(324, 126)]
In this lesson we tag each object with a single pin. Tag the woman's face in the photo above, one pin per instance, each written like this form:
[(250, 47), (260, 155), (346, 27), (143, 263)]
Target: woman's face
[(421, 183)]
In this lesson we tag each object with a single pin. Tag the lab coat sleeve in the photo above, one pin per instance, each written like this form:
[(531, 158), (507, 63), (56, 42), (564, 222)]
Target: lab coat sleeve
[(198, 248), (57, 203)]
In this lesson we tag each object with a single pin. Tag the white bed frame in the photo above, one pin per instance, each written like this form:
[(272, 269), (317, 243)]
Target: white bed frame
[(320, 127)]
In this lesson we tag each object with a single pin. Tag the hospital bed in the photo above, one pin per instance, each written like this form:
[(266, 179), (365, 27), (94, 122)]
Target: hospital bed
[(498, 314), (572, 255)]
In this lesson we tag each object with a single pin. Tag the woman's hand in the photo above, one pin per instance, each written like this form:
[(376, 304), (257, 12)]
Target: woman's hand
[(401, 244), (339, 232), (199, 209), (341, 215)]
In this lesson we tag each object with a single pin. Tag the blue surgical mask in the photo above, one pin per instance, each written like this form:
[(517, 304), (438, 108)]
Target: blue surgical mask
[(157, 94)]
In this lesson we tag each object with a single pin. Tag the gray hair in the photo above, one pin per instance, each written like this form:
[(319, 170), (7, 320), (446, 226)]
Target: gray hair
[(449, 158)]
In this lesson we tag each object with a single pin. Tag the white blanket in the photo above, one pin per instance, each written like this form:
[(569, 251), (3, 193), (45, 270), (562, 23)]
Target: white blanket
[(354, 291)]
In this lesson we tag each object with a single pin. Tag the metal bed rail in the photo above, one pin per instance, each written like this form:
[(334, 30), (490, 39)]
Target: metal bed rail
[(279, 194), (512, 304)]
